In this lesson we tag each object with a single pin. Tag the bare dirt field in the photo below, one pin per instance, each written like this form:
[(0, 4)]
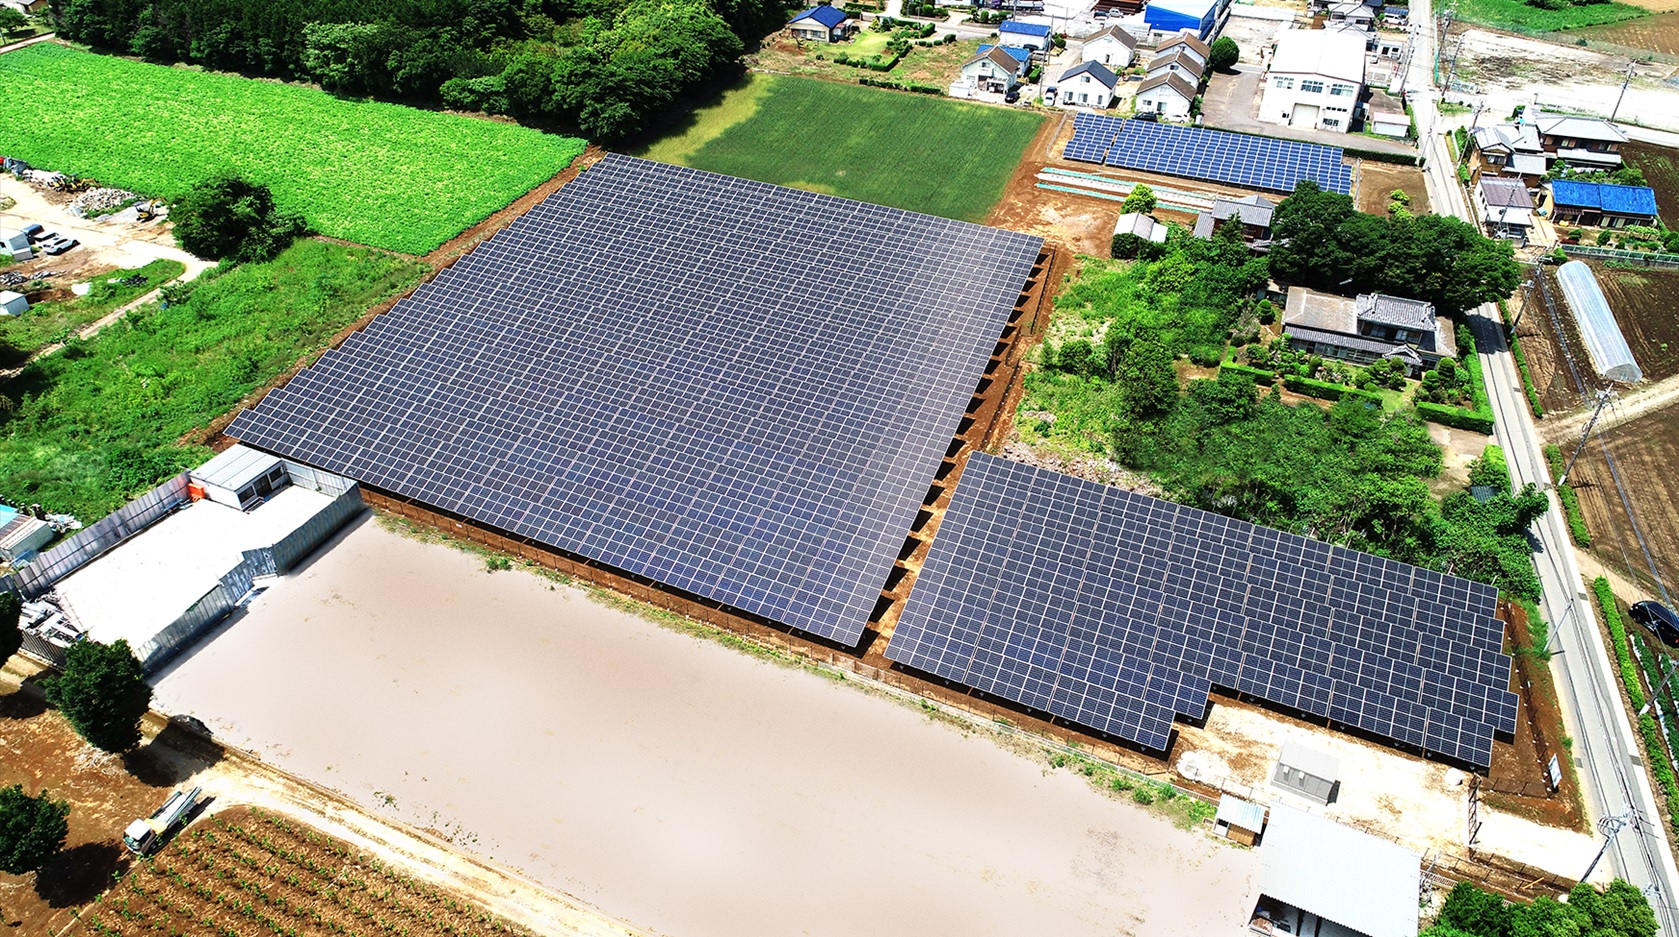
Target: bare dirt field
[(653, 774), (1660, 165), (1377, 182), (1643, 300), (1503, 71), (1644, 453), (1083, 224)]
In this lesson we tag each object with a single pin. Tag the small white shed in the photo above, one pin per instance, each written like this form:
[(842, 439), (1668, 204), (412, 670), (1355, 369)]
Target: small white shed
[(1308, 773), (241, 477), (21, 536), (13, 304), (17, 245)]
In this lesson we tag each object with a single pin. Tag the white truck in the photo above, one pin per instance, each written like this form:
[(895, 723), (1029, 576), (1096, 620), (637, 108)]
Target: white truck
[(143, 837)]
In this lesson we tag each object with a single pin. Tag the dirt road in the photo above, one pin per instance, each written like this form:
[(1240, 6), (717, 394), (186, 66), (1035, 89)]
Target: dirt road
[(1647, 399)]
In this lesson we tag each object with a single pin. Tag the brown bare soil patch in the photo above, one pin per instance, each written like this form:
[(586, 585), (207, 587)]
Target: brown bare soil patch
[(248, 872), (1517, 782), (1643, 300), (1082, 224), (1644, 452), (1377, 182), (40, 751), (1660, 166)]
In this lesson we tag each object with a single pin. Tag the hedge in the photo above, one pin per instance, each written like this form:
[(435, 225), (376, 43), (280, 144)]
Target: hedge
[(1262, 378), (1478, 421), (1324, 390), (900, 86), (1655, 755), (1569, 498)]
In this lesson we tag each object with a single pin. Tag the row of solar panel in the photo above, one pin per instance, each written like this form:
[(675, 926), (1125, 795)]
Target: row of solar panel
[(1236, 159), (1017, 598)]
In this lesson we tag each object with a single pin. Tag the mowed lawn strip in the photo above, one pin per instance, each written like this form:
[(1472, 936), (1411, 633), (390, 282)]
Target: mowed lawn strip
[(373, 173), (84, 430), (908, 151)]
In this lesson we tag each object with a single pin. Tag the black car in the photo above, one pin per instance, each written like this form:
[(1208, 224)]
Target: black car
[(1659, 619), (1145, 115), (1012, 96)]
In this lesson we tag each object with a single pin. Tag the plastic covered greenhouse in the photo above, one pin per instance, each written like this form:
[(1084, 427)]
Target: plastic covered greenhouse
[(1610, 354)]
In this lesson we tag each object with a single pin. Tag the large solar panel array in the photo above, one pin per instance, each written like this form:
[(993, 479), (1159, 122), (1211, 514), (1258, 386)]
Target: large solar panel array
[(1237, 159), (1119, 612), (736, 389)]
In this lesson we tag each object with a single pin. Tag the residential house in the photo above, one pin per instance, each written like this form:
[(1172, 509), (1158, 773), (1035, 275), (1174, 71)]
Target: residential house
[(1369, 328), (823, 23), (1509, 151), (1088, 84), (1396, 17), (26, 6), (1023, 56), (1352, 11), (1190, 44), (1254, 212), (1142, 226), (1582, 142), (1506, 207), (995, 69), (1315, 79), (1110, 45), (1032, 36), (1166, 94), (1179, 61), (1598, 204), (1384, 114)]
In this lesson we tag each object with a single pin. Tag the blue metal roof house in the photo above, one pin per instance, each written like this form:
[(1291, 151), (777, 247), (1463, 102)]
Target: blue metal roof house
[(1602, 205), (1015, 52), (822, 23), (1170, 16), (1032, 36)]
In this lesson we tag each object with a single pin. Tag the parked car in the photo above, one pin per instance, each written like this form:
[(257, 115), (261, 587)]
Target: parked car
[(60, 245), (1145, 116), (1012, 96), (1659, 620), (34, 232)]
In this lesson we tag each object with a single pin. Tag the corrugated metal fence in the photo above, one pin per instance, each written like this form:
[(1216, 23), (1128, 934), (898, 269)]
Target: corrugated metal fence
[(88, 544), (231, 589)]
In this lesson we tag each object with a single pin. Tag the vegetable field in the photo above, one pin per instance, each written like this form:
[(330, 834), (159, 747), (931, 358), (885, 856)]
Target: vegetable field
[(378, 174), (249, 872), (1521, 17), (909, 151)]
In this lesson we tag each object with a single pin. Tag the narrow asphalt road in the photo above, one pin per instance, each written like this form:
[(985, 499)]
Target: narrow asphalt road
[(1610, 766)]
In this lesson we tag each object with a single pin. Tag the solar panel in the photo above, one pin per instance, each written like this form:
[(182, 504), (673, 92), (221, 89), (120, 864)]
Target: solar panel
[(1116, 611), (740, 390), (1239, 159)]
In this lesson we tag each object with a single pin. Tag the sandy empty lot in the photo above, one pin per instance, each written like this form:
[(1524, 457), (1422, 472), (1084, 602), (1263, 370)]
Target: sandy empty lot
[(679, 785)]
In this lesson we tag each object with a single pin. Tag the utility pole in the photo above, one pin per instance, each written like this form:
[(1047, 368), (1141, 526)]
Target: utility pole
[(1622, 96), (1450, 71), (1610, 827), (1603, 398)]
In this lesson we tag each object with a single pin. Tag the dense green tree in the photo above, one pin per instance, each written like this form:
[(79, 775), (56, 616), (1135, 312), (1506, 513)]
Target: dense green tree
[(11, 609), (1141, 199), (1473, 911), (32, 829), (1223, 54), (230, 217), (1320, 241), (103, 693)]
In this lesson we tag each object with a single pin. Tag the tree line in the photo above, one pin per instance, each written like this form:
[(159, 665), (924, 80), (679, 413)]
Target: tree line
[(612, 69)]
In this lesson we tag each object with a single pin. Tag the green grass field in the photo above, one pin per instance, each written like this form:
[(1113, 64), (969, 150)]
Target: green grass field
[(1518, 16), (87, 428), (373, 173), (909, 151), (50, 322)]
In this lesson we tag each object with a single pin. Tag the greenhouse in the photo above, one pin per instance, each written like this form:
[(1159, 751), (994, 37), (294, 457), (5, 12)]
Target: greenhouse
[(1610, 354)]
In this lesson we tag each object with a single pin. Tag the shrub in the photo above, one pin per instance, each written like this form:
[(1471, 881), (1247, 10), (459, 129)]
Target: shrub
[(32, 829), (103, 693), (1223, 54), (1491, 469), (230, 217), (1603, 238), (1144, 794), (1141, 199)]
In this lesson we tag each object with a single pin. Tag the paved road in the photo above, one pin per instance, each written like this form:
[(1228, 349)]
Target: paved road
[(1606, 753)]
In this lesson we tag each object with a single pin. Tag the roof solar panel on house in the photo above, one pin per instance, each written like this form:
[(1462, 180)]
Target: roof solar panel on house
[(1120, 612), (1237, 159), (739, 390)]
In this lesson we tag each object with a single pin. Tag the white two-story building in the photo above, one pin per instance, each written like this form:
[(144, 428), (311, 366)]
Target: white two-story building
[(1315, 80)]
